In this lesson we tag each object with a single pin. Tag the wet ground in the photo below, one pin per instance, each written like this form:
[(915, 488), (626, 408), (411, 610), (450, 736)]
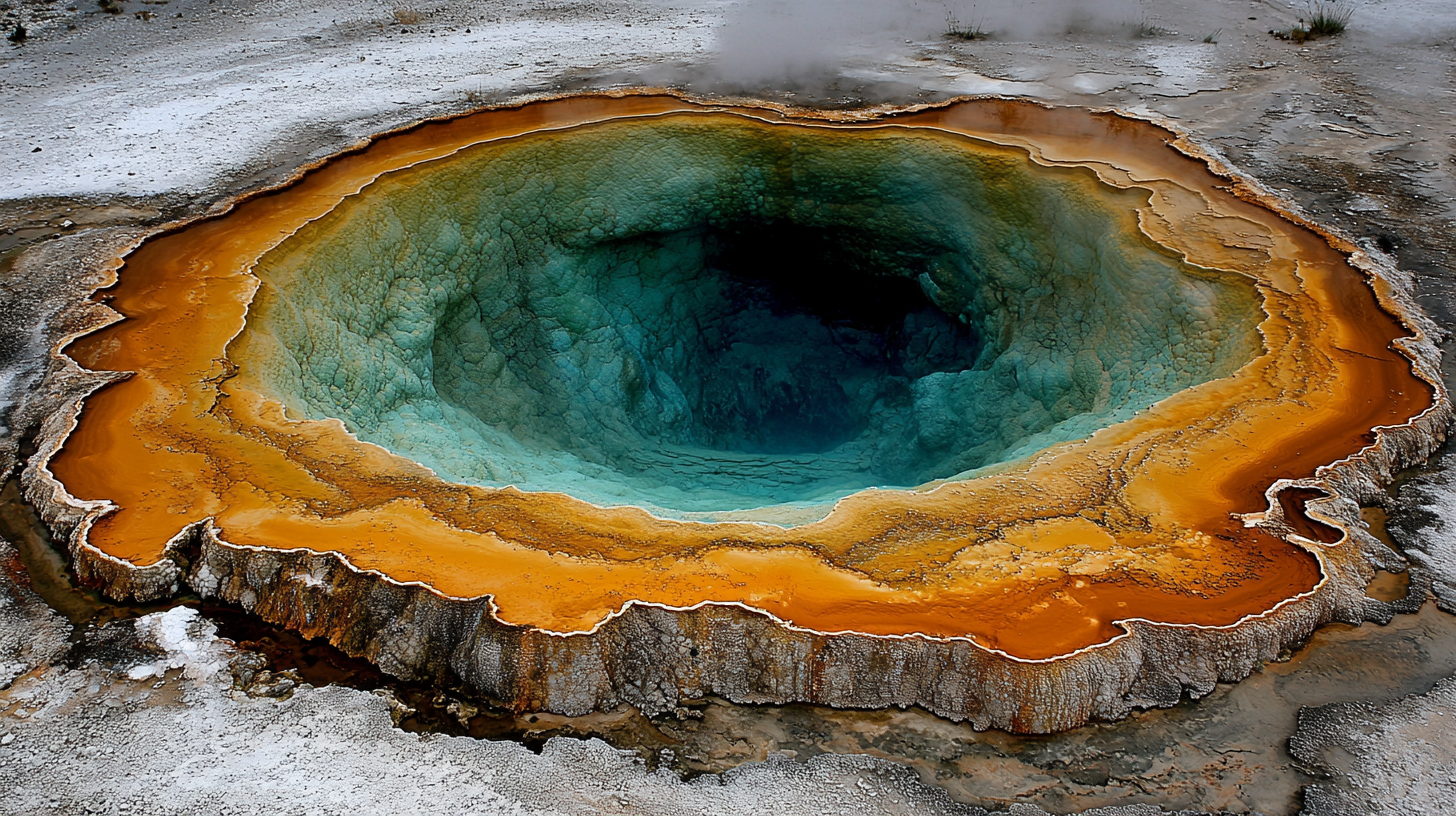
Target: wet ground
[(1226, 752)]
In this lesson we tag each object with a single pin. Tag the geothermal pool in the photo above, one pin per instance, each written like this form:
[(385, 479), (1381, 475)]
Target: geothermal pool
[(989, 373), (708, 312)]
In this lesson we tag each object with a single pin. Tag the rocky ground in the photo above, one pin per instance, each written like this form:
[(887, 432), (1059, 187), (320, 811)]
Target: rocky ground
[(116, 122), (1350, 744)]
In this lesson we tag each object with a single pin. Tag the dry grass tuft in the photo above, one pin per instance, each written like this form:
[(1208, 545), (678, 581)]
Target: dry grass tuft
[(407, 15), (956, 30), (1147, 28), (1322, 18), (1329, 19)]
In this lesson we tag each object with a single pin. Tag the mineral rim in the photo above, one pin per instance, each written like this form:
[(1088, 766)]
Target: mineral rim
[(1161, 553)]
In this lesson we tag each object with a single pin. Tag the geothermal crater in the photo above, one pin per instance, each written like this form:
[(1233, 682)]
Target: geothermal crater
[(711, 313), (631, 399)]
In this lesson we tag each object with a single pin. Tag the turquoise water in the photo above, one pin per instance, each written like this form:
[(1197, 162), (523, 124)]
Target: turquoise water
[(701, 315)]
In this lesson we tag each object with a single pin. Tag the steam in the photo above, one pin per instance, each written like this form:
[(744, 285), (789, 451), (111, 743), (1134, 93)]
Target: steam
[(777, 40), (1027, 19), (798, 41)]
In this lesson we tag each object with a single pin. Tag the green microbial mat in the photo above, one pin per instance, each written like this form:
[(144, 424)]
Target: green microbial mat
[(698, 314)]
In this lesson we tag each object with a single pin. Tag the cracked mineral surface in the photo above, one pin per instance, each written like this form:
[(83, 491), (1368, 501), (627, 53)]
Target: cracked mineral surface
[(1376, 758)]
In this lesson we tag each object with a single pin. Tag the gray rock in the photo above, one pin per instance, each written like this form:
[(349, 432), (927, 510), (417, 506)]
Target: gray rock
[(1424, 524), (1396, 758), (31, 634)]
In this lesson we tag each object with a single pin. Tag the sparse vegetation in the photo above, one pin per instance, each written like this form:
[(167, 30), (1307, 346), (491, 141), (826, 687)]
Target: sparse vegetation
[(1322, 18), (407, 15), (956, 30), (1147, 28), (1329, 18), (1212, 39)]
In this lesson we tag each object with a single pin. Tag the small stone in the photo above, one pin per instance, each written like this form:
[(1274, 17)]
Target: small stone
[(7, 739)]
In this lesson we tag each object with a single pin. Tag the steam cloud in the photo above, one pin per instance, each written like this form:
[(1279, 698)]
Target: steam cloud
[(775, 40), (1023, 19), (764, 41)]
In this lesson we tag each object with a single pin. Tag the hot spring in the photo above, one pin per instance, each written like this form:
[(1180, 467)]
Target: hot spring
[(537, 393), (695, 314)]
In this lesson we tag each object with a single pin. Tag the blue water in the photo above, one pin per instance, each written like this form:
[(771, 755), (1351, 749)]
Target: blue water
[(702, 315)]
